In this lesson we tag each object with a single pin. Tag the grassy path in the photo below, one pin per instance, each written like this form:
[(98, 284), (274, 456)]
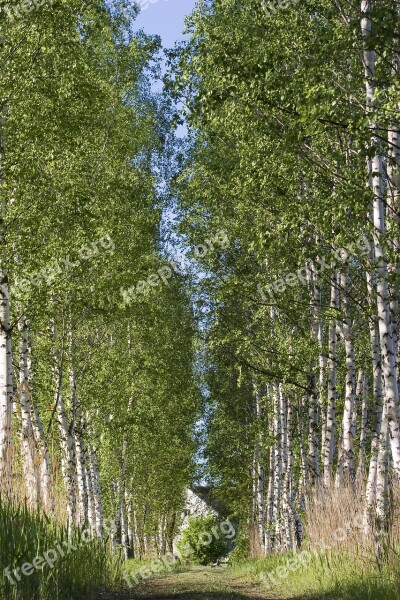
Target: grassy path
[(201, 583)]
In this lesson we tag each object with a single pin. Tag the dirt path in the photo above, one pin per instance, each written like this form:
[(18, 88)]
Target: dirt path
[(201, 583)]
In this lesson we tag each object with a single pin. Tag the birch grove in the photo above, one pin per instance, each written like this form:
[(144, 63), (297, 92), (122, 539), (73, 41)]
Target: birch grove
[(313, 106), (89, 394), (266, 367)]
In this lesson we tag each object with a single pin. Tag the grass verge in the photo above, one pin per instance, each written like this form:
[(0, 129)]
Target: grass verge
[(50, 567), (333, 575)]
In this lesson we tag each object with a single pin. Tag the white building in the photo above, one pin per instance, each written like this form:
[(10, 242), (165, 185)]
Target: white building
[(194, 507)]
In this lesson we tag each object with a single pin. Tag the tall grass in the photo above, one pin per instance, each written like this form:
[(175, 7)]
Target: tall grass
[(335, 575), (80, 573), (348, 570)]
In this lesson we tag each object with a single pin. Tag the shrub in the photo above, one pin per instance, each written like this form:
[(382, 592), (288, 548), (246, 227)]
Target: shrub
[(202, 541)]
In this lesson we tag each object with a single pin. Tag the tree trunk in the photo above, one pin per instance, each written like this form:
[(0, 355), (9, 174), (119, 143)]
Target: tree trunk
[(388, 356), (362, 395), (6, 386), (329, 441), (77, 444), (278, 467), (270, 495), (29, 458), (377, 397), (67, 441), (43, 456), (98, 503), (260, 472), (382, 484), (313, 432), (347, 427)]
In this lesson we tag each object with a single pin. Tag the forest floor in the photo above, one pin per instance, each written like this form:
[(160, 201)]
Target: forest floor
[(198, 583)]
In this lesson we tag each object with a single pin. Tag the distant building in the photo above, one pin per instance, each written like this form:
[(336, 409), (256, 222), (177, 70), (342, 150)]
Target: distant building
[(197, 505)]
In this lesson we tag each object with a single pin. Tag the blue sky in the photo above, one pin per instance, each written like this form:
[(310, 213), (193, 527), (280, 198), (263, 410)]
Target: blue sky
[(164, 18)]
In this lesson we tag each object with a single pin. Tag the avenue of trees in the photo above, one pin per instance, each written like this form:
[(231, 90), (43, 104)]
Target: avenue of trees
[(268, 367)]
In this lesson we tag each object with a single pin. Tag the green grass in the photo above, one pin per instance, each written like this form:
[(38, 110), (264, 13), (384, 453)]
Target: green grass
[(342, 574), (156, 566), (79, 574)]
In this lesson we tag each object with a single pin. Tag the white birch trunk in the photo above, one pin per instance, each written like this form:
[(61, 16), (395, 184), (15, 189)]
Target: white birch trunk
[(131, 528), (304, 479), (98, 503), (378, 399), (313, 432), (81, 470), (278, 467), (42, 450), (45, 469), (318, 334), (67, 442), (288, 512), (29, 459), (389, 367), (68, 458), (382, 483), (77, 450), (270, 494), (6, 386), (260, 473), (122, 495), (329, 441), (6, 380), (362, 394), (347, 427), (91, 502), (393, 201)]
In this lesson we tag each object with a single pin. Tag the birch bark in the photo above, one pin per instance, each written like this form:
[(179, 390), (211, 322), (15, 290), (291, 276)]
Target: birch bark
[(260, 472), (393, 201), (362, 394), (329, 441), (313, 432), (387, 345), (270, 494), (278, 466), (347, 427), (66, 433), (6, 382), (98, 503), (45, 469), (30, 462), (377, 396), (288, 512), (77, 450), (382, 482), (43, 457), (122, 495)]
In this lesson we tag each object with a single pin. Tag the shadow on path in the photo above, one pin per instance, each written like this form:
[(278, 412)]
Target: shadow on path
[(196, 584)]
